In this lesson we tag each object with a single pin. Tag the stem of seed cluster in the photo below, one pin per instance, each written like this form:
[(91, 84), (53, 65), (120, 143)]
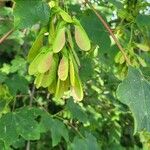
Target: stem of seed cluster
[(110, 31)]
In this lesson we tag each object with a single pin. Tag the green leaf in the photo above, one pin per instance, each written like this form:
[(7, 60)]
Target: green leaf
[(26, 125), (5, 97), (143, 20), (30, 12), (134, 91), (2, 104), (7, 123), (117, 4), (57, 128), (77, 112), (2, 146), (17, 84), (87, 68), (87, 143), (19, 143), (3, 77), (24, 122), (5, 26), (18, 64), (20, 123)]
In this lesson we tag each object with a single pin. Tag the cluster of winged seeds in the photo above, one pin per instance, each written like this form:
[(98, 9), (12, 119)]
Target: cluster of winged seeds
[(53, 60)]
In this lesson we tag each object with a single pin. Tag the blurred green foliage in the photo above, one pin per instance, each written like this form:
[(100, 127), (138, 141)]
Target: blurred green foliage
[(31, 118)]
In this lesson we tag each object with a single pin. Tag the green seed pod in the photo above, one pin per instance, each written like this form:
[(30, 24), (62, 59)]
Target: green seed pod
[(141, 61), (59, 40), (143, 46), (50, 75), (65, 16), (38, 80), (44, 79), (82, 38), (36, 46), (76, 90), (33, 67), (72, 72), (45, 63), (52, 87), (72, 51), (61, 87), (70, 40), (63, 68), (75, 64)]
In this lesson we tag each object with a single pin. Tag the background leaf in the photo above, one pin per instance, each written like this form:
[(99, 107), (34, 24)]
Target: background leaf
[(88, 143), (30, 12), (134, 91), (17, 83), (76, 111), (96, 31), (57, 128)]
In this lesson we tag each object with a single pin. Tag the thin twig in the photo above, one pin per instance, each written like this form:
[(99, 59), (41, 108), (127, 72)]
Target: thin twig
[(2, 39), (60, 118), (68, 123), (31, 94), (14, 104), (110, 31)]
